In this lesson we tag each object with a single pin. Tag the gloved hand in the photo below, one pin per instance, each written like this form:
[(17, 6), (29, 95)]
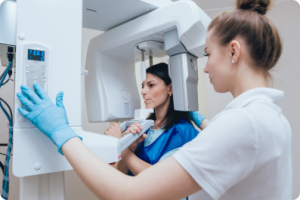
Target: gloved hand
[(48, 118), (197, 118)]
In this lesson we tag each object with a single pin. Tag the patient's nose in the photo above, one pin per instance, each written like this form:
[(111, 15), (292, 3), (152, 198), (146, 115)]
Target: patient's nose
[(144, 91)]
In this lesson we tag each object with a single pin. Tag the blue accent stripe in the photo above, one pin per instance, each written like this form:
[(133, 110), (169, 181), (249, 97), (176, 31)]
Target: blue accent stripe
[(6, 178), (4, 195)]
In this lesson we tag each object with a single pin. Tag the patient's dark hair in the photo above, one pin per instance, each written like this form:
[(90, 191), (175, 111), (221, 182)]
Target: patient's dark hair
[(172, 116)]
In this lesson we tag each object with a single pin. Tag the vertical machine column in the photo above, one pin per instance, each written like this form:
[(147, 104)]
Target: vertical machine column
[(43, 187)]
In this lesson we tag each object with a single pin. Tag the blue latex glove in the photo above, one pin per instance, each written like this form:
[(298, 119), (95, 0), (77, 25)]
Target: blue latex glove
[(197, 118), (48, 118)]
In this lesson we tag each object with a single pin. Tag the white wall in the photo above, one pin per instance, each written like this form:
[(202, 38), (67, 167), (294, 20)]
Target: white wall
[(285, 15)]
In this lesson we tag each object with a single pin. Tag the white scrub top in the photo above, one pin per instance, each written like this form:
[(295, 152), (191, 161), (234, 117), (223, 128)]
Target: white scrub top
[(245, 151)]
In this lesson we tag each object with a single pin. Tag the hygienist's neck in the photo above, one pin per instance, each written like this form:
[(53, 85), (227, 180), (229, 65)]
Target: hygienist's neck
[(247, 80)]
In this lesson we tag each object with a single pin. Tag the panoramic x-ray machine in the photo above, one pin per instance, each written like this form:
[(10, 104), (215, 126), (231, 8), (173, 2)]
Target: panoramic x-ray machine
[(47, 36)]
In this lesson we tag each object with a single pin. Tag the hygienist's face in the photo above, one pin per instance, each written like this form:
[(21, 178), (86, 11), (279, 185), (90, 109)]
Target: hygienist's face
[(155, 92), (218, 66)]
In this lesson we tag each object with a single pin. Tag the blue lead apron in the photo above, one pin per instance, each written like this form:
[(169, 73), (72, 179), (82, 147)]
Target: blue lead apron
[(174, 138)]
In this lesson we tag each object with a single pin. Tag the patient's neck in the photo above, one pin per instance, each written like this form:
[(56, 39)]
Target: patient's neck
[(160, 113)]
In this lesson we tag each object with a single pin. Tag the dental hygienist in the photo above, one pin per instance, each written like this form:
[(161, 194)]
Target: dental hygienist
[(245, 151)]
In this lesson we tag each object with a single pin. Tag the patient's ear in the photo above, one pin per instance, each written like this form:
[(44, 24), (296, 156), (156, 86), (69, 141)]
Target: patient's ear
[(170, 89)]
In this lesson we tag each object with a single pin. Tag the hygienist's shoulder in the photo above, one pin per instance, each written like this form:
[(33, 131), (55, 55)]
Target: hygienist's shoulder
[(234, 119)]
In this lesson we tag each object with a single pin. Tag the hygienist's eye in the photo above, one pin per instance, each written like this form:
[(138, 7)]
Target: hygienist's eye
[(206, 55)]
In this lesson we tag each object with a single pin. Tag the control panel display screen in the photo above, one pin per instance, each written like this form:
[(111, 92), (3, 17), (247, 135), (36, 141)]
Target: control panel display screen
[(36, 55)]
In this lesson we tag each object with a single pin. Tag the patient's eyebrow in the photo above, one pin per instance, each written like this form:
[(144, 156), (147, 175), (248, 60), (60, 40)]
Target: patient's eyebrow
[(148, 82)]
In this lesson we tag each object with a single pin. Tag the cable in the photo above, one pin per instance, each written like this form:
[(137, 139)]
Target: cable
[(6, 129), (5, 154), (9, 75), (2, 167), (11, 116), (5, 183), (5, 82), (5, 73)]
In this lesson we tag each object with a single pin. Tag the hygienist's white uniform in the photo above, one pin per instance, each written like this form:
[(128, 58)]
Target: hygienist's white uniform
[(244, 153)]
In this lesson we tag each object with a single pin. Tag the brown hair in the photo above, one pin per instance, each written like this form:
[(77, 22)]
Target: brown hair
[(260, 34)]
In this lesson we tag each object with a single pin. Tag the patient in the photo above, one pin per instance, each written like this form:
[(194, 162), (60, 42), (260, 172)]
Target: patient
[(172, 129)]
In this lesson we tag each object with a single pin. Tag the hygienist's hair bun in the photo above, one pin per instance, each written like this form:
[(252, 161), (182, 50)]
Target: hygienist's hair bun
[(259, 6), (249, 22)]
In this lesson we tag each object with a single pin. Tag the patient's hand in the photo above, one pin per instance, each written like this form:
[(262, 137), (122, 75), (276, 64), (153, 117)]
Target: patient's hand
[(114, 130), (135, 128)]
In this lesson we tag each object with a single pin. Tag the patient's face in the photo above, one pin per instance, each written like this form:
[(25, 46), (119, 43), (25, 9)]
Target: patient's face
[(155, 92)]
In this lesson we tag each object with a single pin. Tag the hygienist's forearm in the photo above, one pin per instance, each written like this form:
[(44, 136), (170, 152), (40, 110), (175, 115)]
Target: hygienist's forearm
[(102, 179), (135, 164), (204, 124), (161, 181)]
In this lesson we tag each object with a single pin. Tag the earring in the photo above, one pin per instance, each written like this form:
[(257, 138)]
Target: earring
[(232, 61), (170, 94)]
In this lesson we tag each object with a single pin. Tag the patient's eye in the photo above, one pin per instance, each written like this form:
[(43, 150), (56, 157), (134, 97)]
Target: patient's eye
[(151, 85)]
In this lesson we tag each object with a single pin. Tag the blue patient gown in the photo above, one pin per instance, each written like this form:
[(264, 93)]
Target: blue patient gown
[(161, 144)]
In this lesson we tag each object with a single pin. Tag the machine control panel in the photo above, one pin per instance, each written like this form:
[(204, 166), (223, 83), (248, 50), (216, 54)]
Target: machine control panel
[(36, 63)]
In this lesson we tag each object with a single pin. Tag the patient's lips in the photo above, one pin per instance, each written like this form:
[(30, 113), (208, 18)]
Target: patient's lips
[(146, 100)]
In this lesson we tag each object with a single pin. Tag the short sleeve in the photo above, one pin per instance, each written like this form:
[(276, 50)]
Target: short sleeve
[(223, 154)]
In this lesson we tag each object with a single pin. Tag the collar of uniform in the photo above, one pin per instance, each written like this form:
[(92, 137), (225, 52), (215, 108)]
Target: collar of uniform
[(245, 98)]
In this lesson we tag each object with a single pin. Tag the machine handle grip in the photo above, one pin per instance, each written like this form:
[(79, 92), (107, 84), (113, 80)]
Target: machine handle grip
[(130, 138)]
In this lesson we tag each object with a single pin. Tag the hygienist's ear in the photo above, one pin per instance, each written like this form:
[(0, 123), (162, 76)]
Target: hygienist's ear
[(235, 50)]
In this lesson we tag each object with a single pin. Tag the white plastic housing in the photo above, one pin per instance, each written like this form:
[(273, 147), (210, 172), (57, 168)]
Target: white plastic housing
[(143, 71), (62, 40), (44, 153), (8, 22), (184, 73), (111, 56), (110, 87)]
